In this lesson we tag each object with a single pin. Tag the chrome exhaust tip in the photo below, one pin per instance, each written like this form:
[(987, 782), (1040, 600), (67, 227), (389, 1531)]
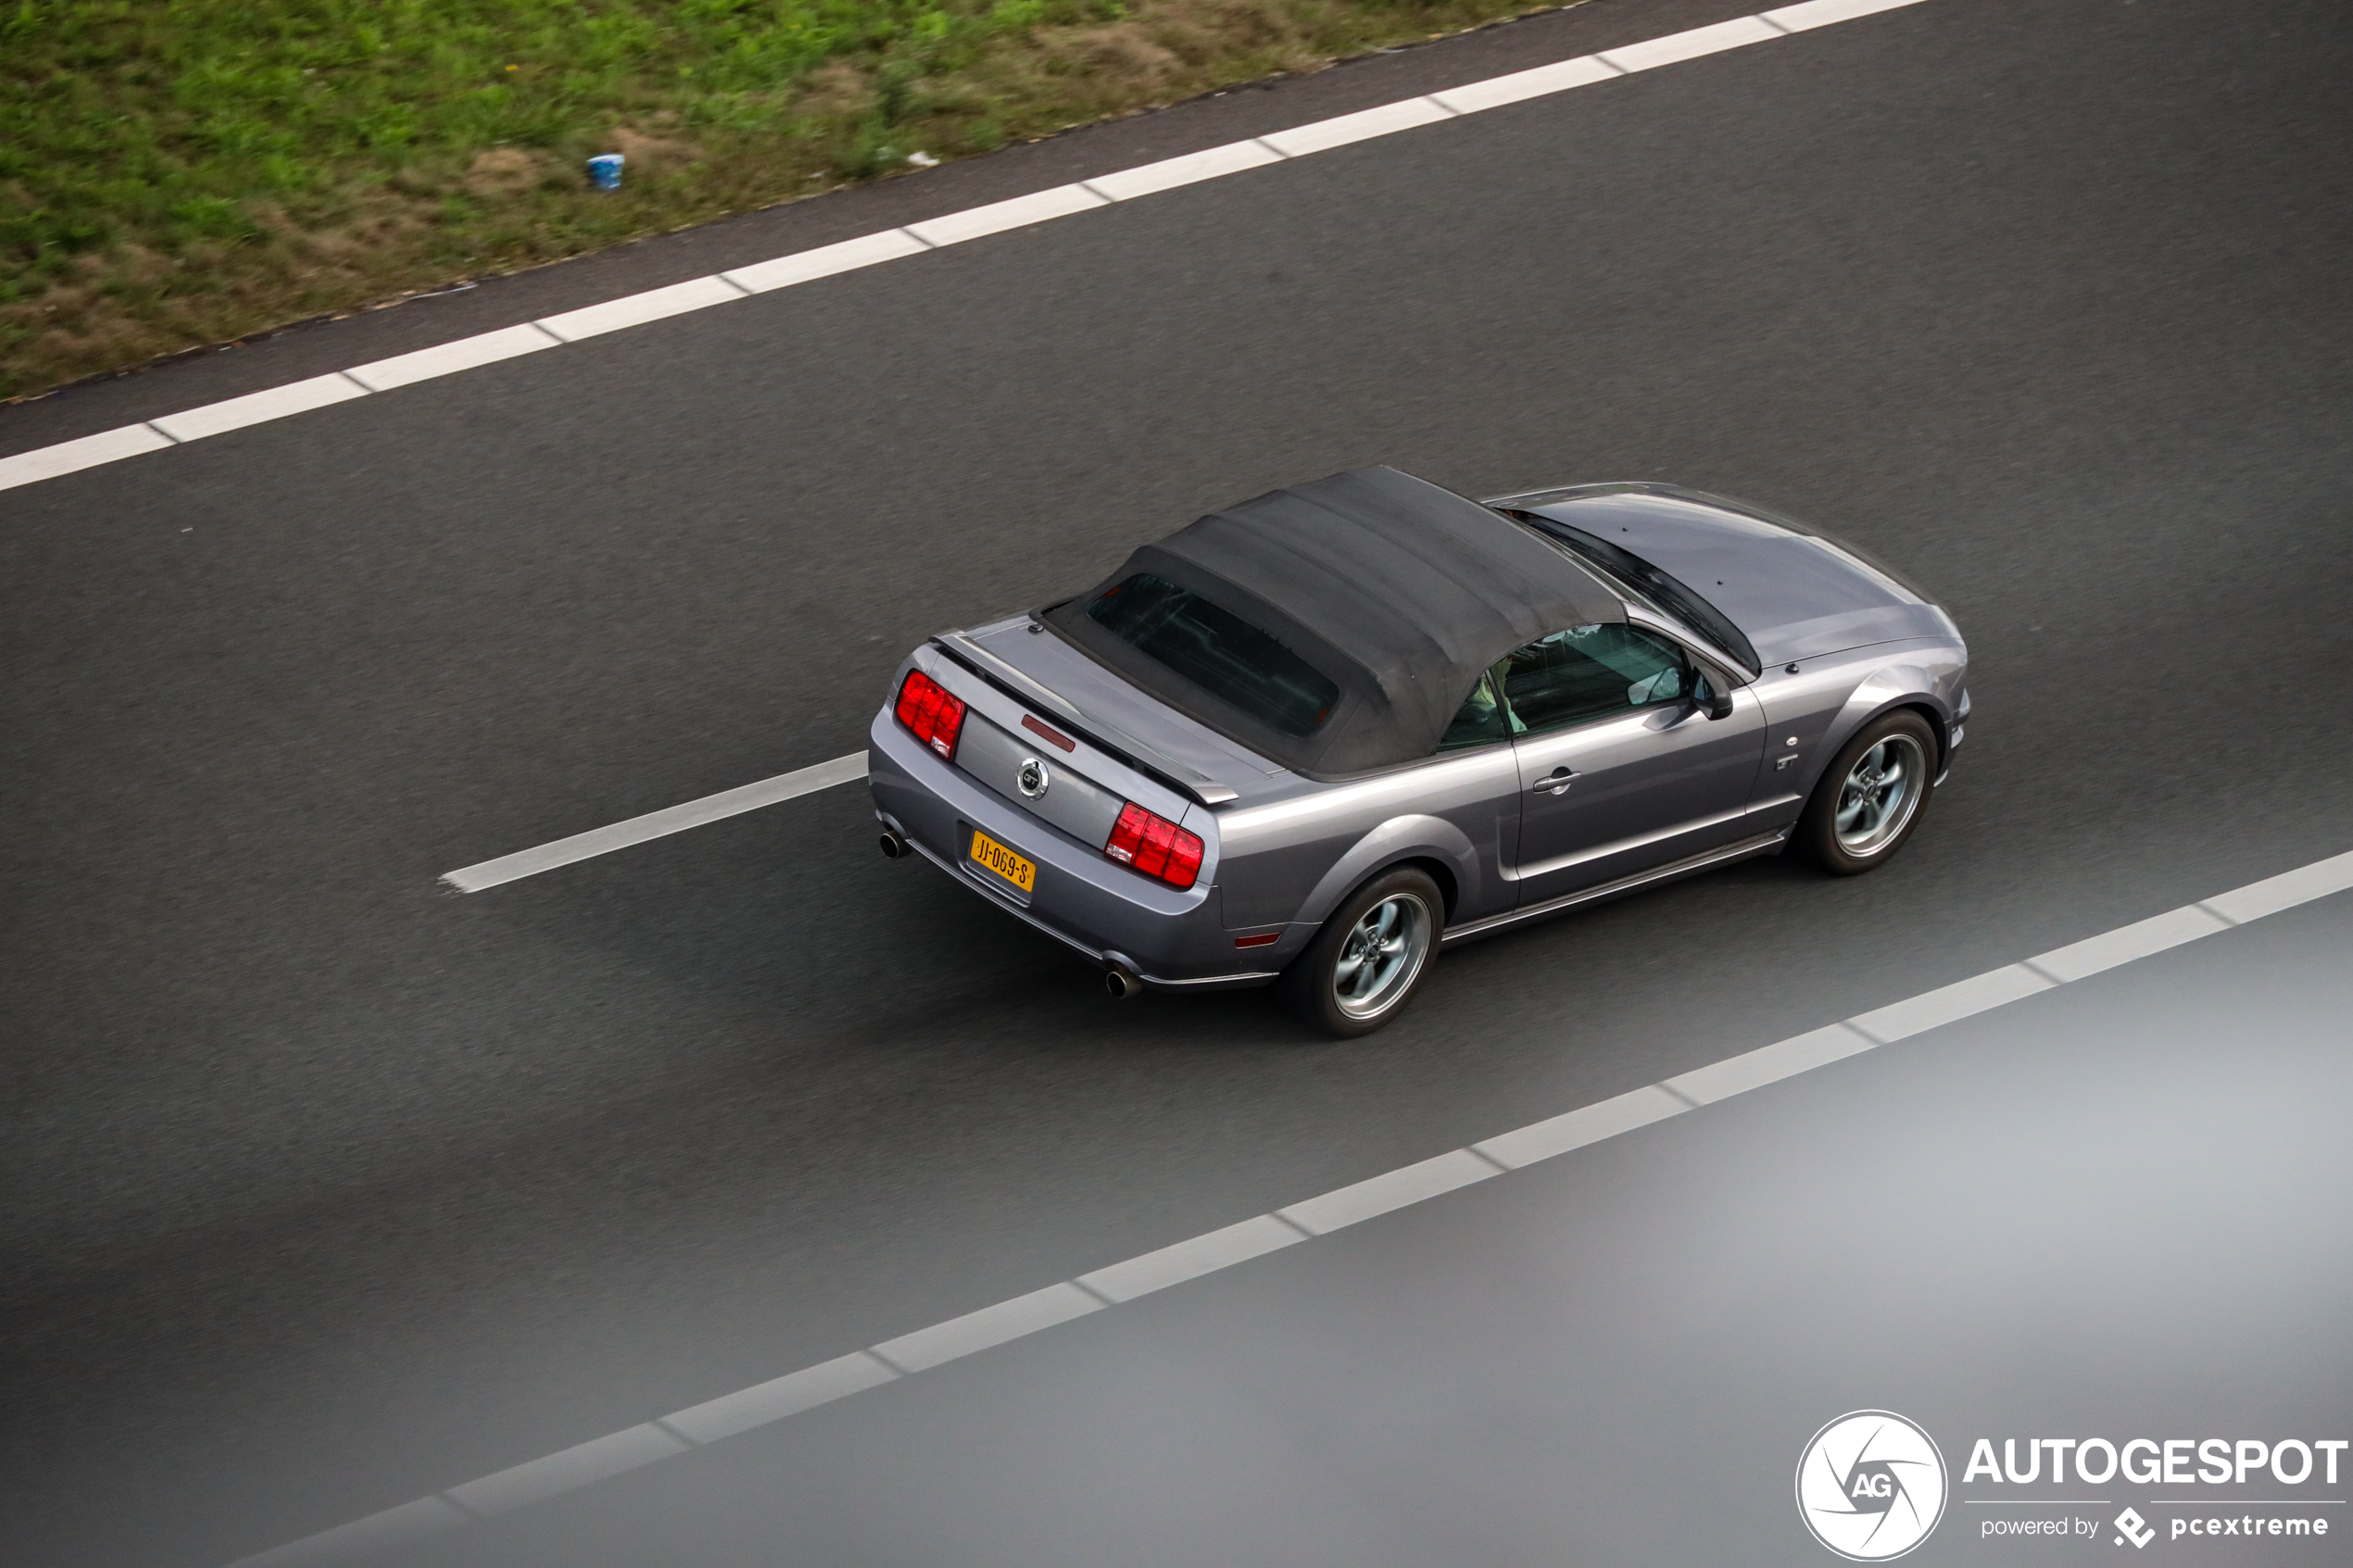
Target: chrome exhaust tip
[(1123, 984), (895, 847)]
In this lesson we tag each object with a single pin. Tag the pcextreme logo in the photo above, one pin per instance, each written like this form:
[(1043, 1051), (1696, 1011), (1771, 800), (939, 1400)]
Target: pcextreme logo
[(1870, 1486)]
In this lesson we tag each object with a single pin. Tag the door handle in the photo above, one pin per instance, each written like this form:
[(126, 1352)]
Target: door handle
[(1556, 784)]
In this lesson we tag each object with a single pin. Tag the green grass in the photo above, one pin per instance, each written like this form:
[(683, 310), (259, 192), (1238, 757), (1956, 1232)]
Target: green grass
[(174, 172)]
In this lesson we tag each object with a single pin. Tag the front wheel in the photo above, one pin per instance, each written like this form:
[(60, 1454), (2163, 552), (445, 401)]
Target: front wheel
[(1871, 796), (1370, 956)]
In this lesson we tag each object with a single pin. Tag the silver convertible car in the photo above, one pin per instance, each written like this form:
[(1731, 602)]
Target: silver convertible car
[(1314, 738)]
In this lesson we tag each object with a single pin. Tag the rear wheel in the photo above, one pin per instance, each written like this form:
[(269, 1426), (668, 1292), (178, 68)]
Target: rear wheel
[(1870, 797), (1370, 956)]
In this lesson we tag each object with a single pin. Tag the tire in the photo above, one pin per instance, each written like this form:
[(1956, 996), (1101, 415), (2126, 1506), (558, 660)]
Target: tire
[(1871, 796), (1330, 986)]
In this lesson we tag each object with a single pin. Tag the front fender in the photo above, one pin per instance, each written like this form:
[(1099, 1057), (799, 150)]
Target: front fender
[(1890, 687), (1414, 837)]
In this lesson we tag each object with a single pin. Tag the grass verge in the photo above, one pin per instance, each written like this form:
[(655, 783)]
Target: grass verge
[(177, 173)]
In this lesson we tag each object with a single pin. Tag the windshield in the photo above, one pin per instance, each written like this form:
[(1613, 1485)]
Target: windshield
[(1217, 651), (1647, 585)]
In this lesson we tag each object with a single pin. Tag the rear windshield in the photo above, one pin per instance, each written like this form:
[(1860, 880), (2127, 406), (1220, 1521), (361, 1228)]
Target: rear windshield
[(1217, 651)]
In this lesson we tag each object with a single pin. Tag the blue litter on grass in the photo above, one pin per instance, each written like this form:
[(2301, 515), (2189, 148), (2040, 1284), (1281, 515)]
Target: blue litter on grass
[(604, 171)]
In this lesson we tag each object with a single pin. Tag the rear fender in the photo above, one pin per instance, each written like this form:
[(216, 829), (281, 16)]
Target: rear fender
[(1399, 838)]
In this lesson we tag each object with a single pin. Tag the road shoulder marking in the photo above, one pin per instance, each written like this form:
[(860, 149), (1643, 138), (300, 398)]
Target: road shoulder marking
[(989, 1327), (583, 1464), (255, 408), (730, 1415), (448, 358), (1037, 207)]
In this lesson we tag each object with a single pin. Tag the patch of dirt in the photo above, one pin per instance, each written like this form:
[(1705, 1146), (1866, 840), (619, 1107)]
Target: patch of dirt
[(649, 153), (838, 90), (1122, 53), (505, 171)]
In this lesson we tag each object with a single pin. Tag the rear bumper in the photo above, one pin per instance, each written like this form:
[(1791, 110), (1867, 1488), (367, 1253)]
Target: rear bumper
[(1115, 916)]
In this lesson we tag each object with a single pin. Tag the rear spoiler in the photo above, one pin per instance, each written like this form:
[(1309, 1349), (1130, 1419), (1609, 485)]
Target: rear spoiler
[(1153, 764)]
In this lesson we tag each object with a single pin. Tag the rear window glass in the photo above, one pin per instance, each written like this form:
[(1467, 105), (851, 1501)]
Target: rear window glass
[(1217, 651)]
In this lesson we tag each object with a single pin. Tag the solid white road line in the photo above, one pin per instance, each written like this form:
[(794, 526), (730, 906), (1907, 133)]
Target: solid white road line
[(1363, 126), (779, 1397), (1947, 1004), (256, 407), (731, 1414), (600, 1458), (1039, 207), (658, 824), (1521, 85), (636, 311), (945, 1342), (1019, 213), (1151, 179), (2126, 943), (2284, 891), (1676, 48), (1390, 1190), (1587, 1124), (1768, 1065), (1822, 13), (1190, 1260), (88, 452), (448, 359), (867, 250)]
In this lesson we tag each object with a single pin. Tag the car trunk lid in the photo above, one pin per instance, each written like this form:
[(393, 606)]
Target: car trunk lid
[(1063, 685)]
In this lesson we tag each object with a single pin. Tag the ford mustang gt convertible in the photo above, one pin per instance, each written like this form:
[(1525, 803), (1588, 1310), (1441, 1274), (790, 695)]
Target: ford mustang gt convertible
[(1314, 738)]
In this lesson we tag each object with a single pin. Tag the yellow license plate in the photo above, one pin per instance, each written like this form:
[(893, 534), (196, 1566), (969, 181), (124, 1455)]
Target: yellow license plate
[(987, 851)]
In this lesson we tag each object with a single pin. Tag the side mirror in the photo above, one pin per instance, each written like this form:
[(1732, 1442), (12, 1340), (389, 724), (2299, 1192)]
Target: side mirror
[(1714, 702)]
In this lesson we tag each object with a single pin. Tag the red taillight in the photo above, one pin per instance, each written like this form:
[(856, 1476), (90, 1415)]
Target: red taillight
[(925, 708), (1155, 847)]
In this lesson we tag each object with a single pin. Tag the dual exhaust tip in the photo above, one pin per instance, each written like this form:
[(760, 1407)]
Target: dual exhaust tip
[(1121, 979)]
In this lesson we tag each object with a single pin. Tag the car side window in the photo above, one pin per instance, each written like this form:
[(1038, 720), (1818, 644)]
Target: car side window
[(1591, 671), (1480, 721)]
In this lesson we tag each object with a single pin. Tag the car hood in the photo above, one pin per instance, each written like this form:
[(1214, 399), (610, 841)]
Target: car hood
[(1796, 592)]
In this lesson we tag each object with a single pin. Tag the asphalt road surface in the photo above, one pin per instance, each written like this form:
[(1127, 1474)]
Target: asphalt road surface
[(2126, 1210), (326, 1188)]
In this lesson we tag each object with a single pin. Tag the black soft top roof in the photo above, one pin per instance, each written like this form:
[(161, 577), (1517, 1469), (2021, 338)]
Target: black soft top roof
[(1399, 591)]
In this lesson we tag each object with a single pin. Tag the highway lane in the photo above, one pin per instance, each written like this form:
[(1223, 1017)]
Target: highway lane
[(331, 1189), (2121, 1211)]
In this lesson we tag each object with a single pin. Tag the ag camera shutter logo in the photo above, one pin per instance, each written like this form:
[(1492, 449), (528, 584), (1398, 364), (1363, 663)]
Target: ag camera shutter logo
[(1870, 1486)]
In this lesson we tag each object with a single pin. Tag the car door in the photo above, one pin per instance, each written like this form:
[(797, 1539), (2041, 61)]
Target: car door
[(1620, 768)]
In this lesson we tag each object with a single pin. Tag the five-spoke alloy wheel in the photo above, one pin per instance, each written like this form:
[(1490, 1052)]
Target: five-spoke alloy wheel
[(1369, 957), (1869, 797)]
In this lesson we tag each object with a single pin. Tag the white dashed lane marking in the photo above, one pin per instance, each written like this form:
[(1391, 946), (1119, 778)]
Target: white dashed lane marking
[(658, 824)]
